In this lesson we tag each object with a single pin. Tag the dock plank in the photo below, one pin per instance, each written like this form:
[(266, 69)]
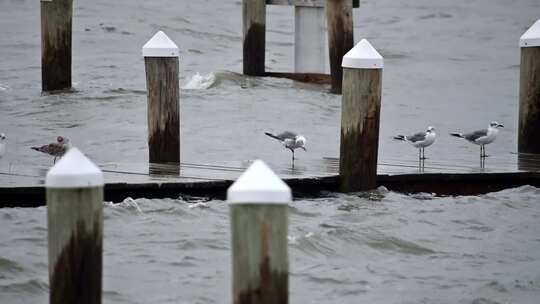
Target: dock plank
[(22, 185)]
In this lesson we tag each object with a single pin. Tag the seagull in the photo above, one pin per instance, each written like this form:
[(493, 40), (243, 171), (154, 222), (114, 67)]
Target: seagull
[(482, 137), (56, 149), (2, 144), (290, 140), (420, 140)]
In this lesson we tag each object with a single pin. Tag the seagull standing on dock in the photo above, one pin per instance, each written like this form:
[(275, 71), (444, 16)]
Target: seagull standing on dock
[(2, 144), (290, 140), (482, 137), (56, 149), (420, 140)]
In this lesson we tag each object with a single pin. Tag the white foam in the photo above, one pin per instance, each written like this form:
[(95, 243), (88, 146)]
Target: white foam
[(128, 203), (200, 82), (292, 240), (201, 205)]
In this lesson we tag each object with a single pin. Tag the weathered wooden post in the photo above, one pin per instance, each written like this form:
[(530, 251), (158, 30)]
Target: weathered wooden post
[(339, 16), (360, 110), (254, 33), (258, 203), (56, 19), (310, 40), (529, 91), (161, 64), (75, 228)]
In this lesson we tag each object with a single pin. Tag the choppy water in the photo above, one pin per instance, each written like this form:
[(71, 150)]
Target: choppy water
[(378, 247), (450, 64)]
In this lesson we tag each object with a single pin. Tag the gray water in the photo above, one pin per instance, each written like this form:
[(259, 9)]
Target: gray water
[(450, 64), (377, 247)]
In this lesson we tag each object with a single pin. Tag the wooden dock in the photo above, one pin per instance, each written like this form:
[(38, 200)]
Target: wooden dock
[(22, 186)]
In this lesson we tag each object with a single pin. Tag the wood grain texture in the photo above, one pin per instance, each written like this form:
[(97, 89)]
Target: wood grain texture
[(339, 18), (254, 34), (360, 114), (56, 20), (309, 3), (529, 101), (260, 253), (163, 109), (75, 239)]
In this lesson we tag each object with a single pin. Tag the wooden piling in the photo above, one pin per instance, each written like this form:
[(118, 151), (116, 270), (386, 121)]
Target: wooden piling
[(56, 20), (74, 191), (162, 68), (529, 91), (310, 40), (306, 3), (258, 203), (254, 33), (360, 111), (339, 16)]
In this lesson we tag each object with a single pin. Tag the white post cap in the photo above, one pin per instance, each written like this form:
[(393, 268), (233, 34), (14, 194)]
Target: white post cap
[(531, 37), (74, 170), (259, 184), (160, 46), (363, 56)]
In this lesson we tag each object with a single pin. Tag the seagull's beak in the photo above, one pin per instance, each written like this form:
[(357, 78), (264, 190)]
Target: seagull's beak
[(304, 148), (500, 126)]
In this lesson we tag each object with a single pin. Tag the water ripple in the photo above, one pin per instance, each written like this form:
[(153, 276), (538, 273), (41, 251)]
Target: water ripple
[(33, 286), (398, 245)]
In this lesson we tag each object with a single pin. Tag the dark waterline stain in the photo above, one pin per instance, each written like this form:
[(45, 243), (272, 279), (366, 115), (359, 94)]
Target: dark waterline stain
[(78, 270)]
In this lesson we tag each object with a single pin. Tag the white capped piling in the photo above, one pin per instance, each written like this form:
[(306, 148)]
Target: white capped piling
[(310, 40), (339, 17), (529, 91), (360, 111), (74, 188), (56, 20), (258, 204), (161, 64), (254, 36)]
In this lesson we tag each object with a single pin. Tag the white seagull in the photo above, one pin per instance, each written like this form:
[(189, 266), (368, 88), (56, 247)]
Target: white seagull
[(420, 140), (56, 149), (2, 144), (290, 140), (482, 137)]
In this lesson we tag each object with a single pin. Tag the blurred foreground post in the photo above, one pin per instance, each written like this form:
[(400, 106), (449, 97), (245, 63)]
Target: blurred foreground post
[(254, 33), (56, 21), (529, 91), (339, 16), (310, 40), (74, 189), (258, 203), (161, 63), (360, 111)]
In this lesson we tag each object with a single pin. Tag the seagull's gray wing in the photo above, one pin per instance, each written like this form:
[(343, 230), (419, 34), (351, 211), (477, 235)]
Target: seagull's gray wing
[(473, 136), (420, 136), (287, 135)]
